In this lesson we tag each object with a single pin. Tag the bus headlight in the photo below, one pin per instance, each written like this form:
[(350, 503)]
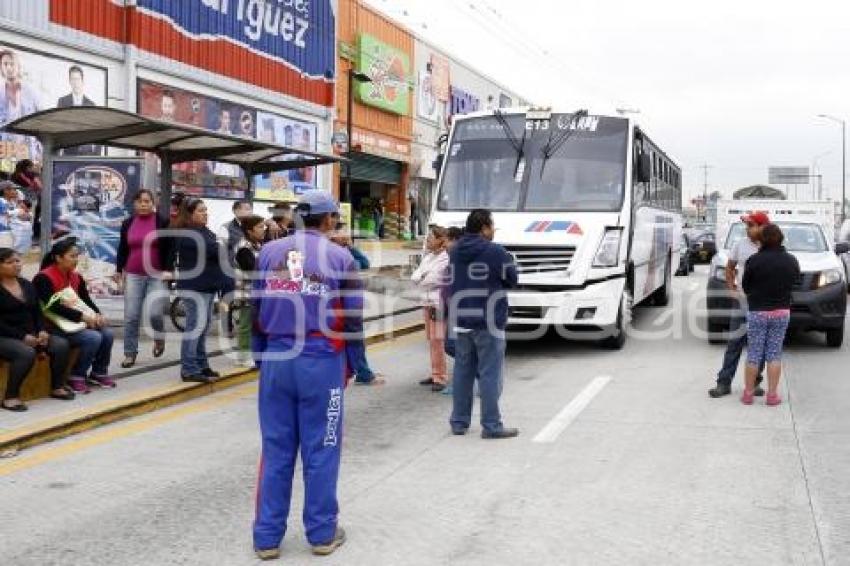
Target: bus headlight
[(608, 253), (828, 277)]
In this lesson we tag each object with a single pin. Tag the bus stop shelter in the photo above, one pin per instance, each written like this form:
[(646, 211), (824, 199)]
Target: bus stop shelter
[(173, 143)]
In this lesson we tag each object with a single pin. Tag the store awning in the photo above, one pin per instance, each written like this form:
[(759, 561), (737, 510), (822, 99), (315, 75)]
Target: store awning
[(178, 143)]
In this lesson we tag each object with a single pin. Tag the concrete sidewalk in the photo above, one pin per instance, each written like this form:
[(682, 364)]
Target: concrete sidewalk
[(154, 383)]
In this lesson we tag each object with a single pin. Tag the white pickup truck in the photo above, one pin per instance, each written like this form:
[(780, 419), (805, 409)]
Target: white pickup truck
[(820, 295)]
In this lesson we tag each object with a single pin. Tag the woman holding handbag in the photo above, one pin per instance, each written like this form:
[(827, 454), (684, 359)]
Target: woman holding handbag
[(69, 309), (23, 337), (430, 277)]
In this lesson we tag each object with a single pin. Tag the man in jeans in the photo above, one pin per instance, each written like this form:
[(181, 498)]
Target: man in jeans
[(481, 273), (738, 256)]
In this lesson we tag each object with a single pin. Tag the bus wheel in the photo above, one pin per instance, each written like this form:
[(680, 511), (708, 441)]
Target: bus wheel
[(661, 297), (617, 337)]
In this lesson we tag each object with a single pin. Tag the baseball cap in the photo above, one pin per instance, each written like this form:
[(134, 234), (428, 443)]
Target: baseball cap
[(757, 218), (315, 202), (7, 185)]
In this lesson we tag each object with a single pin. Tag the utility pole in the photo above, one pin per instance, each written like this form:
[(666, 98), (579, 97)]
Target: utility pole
[(705, 168)]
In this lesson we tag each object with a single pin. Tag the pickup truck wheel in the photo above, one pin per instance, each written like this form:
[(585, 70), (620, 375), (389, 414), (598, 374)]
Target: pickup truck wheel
[(835, 337)]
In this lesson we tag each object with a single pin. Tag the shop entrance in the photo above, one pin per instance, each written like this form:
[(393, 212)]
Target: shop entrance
[(375, 182)]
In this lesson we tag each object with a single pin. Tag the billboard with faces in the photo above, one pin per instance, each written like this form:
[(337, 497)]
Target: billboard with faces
[(224, 180), (31, 82)]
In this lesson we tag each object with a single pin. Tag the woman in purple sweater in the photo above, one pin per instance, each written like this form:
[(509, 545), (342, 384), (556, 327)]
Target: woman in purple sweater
[(141, 265)]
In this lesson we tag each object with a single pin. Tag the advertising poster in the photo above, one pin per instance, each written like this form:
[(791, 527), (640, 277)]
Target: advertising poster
[(199, 178), (389, 69), (212, 179), (31, 82), (441, 75), (285, 185), (427, 103), (91, 198)]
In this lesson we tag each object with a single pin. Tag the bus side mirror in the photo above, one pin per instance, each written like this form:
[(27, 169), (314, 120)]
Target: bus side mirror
[(842, 248), (644, 168)]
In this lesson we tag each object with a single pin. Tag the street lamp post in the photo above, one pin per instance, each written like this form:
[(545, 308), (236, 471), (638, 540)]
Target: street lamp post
[(359, 76), (843, 162)]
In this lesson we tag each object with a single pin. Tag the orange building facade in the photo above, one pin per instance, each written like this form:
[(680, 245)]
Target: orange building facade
[(382, 119)]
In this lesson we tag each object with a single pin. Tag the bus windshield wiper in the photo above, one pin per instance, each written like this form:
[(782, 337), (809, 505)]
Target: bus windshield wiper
[(518, 145), (555, 143)]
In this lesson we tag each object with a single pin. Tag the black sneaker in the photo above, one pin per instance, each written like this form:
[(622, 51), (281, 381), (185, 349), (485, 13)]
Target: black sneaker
[(329, 547), (428, 381), (720, 390), (195, 378), (459, 430), (500, 434), (209, 372)]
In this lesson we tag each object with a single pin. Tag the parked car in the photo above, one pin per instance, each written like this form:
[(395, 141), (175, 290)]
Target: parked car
[(686, 266), (703, 247), (819, 300), (843, 251)]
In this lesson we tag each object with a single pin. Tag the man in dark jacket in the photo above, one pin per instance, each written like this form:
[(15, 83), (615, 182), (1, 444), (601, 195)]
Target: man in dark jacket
[(481, 273), (231, 232)]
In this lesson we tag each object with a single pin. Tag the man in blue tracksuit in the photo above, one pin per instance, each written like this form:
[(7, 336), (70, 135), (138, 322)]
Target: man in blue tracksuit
[(481, 273), (308, 296)]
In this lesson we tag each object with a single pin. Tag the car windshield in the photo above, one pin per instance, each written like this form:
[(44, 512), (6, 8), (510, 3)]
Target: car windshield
[(586, 172), (806, 238)]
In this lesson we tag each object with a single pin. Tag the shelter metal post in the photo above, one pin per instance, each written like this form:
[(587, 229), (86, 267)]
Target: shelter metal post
[(249, 175), (165, 185), (46, 197)]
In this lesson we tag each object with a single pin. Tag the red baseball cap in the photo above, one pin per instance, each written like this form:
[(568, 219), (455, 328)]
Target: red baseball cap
[(757, 218)]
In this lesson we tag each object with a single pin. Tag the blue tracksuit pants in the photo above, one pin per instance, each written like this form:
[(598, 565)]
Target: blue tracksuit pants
[(301, 407)]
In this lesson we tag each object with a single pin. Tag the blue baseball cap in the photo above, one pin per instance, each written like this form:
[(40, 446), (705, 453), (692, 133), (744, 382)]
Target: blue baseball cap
[(317, 202)]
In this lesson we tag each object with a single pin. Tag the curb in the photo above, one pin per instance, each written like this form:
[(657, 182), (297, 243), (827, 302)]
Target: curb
[(146, 402)]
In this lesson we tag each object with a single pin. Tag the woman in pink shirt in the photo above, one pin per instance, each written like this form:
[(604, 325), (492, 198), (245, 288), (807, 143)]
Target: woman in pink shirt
[(141, 266)]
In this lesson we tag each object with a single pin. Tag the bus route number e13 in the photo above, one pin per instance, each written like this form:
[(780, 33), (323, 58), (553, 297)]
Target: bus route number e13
[(582, 124)]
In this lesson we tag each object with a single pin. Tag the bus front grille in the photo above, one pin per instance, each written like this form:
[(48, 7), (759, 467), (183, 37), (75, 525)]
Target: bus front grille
[(541, 259)]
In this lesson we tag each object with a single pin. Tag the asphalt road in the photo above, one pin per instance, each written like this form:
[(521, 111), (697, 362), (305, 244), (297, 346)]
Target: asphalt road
[(623, 459)]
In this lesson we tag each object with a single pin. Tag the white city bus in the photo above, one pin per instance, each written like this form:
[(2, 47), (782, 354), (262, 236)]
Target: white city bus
[(588, 205)]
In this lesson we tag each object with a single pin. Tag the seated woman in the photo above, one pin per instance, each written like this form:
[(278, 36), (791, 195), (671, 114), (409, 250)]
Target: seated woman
[(22, 335), (70, 310)]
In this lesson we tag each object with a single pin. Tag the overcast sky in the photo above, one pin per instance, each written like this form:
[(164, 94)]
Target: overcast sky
[(735, 84)]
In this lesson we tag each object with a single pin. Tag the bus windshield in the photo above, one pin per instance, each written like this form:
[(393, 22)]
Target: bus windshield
[(585, 173)]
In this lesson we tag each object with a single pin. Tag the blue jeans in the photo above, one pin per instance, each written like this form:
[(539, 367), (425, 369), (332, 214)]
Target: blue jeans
[(734, 349), (95, 351), (478, 355), (356, 354), (137, 288), (193, 349)]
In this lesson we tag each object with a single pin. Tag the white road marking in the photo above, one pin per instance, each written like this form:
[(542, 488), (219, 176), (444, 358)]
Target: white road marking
[(568, 414)]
